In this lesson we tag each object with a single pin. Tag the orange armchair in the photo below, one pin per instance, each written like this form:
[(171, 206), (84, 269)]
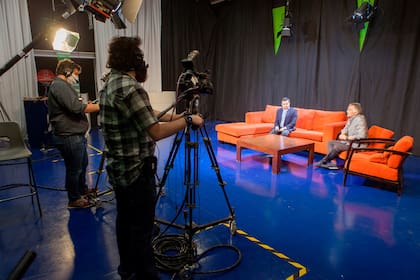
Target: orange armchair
[(375, 136), (380, 164)]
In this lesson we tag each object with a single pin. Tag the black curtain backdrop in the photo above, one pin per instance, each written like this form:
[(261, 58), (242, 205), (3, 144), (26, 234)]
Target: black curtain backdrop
[(319, 66)]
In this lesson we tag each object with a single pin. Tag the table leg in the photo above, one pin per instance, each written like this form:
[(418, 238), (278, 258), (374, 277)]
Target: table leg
[(238, 152), (311, 154), (276, 164)]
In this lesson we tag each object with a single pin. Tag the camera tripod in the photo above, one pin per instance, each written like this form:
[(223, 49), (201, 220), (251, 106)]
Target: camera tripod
[(191, 182), (94, 197)]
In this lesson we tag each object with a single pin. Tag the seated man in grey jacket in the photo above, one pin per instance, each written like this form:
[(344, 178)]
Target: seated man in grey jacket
[(355, 128)]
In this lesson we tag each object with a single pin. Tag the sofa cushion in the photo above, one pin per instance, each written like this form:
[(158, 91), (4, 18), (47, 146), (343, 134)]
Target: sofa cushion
[(360, 163), (307, 134), (323, 117), (240, 129), (269, 115), (305, 118), (379, 158)]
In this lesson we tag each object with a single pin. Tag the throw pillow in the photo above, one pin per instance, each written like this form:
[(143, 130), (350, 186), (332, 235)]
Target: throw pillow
[(404, 145), (269, 115), (379, 132)]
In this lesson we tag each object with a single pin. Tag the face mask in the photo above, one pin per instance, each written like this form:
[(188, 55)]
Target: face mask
[(76, 78)]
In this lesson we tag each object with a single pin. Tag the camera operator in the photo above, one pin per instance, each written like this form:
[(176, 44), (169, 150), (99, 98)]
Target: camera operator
[(130, 128)]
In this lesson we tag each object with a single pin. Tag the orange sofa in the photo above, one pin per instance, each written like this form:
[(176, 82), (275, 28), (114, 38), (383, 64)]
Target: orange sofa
[(317, 125)]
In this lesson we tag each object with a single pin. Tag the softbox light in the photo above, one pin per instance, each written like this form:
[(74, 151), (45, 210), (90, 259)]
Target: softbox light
[(65, 41)]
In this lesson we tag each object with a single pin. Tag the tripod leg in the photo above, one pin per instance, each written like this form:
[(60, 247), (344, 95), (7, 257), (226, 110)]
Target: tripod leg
[(215, 167), (100, 170), (170, 162)]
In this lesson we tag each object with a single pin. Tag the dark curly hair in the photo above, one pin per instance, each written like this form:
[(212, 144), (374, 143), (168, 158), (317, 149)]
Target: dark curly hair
[(124, 53)]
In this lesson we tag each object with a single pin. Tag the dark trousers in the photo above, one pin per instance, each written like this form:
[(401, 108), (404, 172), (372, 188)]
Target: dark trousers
[(134, 226), (73, 150), (335, 147)]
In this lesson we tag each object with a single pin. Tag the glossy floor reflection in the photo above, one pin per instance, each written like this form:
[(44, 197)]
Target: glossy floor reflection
[(301, 222)]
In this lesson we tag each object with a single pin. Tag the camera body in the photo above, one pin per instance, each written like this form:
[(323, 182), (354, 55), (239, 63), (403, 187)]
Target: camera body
[(191, 84)]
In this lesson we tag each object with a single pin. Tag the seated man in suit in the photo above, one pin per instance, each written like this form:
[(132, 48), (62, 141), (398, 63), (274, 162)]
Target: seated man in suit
[(285, 118)]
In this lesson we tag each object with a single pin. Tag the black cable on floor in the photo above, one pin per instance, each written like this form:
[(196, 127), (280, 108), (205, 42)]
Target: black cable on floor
[(235, 264), (171, 255)]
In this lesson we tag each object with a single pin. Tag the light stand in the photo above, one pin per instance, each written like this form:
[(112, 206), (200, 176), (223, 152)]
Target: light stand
[(3, 113), (191, 181), (12, 62)]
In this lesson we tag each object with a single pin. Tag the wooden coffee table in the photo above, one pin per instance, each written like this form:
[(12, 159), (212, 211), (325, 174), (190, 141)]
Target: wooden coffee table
[(275, 145)]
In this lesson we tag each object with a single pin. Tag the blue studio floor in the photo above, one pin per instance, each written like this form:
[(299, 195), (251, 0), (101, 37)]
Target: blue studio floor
[(299, 224)]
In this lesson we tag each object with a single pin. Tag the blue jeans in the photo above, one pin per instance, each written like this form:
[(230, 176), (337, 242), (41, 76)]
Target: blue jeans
[(73, 150)]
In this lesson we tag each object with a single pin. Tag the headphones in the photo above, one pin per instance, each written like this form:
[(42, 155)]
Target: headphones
[(65, 67), (140, 66)]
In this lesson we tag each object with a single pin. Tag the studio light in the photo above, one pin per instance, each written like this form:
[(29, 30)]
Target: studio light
[(362, 14), (65, 41), (111, 9), (286, 30), (103, 10), (117, 19), (70, 10)]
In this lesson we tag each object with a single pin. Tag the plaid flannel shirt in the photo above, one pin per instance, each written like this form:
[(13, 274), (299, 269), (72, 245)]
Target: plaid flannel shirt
[(125, 115)]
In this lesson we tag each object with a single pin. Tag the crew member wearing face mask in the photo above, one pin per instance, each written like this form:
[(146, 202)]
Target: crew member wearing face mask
[(67, 116), (74, 78)]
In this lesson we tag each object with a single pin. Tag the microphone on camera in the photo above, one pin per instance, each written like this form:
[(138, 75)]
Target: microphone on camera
[(193, 54), (188, 62)]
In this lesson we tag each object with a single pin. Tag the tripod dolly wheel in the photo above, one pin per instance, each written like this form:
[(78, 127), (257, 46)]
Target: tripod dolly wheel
[(185, 273)]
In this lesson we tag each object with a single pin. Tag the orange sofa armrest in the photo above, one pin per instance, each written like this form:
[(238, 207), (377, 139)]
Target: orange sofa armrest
[(254, 117), (331, 130)]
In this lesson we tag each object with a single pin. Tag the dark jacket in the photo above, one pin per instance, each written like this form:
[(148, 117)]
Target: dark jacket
[(289, 121)]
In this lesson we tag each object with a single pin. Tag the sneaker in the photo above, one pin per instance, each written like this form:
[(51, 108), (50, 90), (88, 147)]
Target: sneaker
[(332, 166), (89, 193), (80, 203), (326, 165)]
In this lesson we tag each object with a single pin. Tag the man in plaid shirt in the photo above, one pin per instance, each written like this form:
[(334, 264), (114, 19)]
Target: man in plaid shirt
[(130, 128)]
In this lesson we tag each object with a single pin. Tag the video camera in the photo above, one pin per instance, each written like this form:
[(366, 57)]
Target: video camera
[(192, 83)]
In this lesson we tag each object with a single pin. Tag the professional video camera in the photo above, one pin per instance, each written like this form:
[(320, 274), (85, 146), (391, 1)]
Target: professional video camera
[(192, 83)]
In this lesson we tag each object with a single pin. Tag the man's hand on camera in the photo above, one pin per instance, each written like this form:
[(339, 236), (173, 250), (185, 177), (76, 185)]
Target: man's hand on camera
[(197, 120)]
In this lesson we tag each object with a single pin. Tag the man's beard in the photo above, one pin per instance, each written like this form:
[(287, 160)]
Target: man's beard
[(141, 75)]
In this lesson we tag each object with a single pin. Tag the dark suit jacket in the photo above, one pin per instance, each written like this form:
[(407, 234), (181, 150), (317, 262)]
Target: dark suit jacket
[(289, 121)]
